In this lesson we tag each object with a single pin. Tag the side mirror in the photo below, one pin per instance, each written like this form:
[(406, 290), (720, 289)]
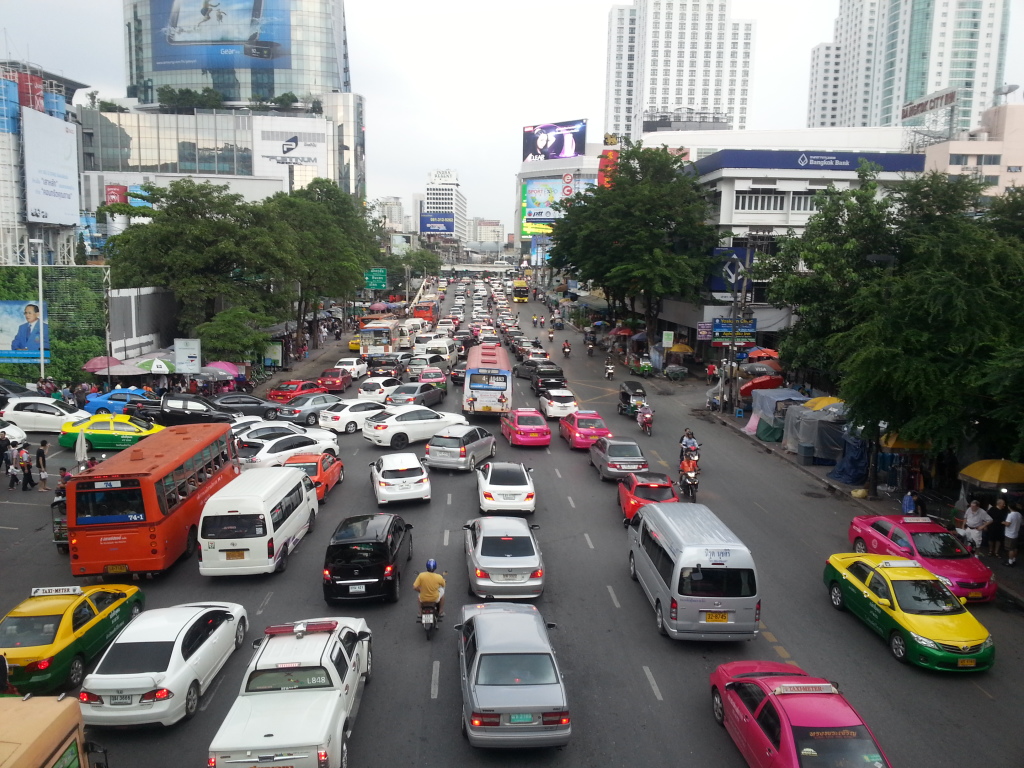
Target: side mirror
[(317, 484), (883, 603), (906, 551), (457, 627), (257, 642), (534, 527), (529, 469), (551, 625), (963, 601), (634, 521), (371, 463), (408, 526), (363, 636)]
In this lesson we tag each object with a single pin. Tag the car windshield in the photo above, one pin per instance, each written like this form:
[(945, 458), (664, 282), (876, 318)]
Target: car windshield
[(939, 544), (516, 669), (28, 631), (444, 441), (401, 472), (506, 546), (654, 493), (136, 658), (628, 450), (508, 476), (287, 679), (590, 423), (717, 582), (287, 387), (531, 421), (823, 746), (926, 597), (233, 527)]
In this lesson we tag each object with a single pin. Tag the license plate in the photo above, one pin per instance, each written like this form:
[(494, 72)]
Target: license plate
[(520, 717), (966, 662), (535, 434), (115, 569), (486, 408), (720, 618), (629, 466), (120, 699), (510, 577), (234, 554), (974, 595), (355, 588), (510, 496)]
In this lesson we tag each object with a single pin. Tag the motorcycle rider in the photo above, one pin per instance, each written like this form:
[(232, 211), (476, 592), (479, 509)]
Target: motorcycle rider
[(566, 347), (534, 321), (687, 443), (551, 334), (431, 586), (542, 321), (644, 411)]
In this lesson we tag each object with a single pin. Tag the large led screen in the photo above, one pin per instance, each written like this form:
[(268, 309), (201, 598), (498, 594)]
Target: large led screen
[(51, 168), (551, 141)]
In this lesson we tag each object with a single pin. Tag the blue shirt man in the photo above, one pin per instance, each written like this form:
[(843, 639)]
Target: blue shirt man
[(28, 335)]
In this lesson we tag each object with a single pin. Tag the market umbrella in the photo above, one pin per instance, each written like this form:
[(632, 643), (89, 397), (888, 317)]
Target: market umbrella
[(154, 365), (891, 442), (761, 382), (757, 369), (224, 366), (994, 473), (100, 362), (213, 374), (621, 332), (121, 370), (818, 403), (758, 353), (81, 448), (686, 349), (378, 306)]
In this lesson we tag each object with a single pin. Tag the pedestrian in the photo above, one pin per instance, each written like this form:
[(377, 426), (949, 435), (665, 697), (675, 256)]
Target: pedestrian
[(920, 508), (5, 445), (12, 465), (82, 395), (712, 371), (907, 505), (975, 521), (65, 475), (41, 451), (995, 532), (1011, 533), (25, 463), (91, 462)]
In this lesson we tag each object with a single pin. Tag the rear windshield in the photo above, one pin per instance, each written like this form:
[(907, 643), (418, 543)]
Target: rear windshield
[(440, 441), (406, 389), (425, 339), (286, 387), (419, 361), (531, 421), (397, 474), (287, 679), (657, 493), (506, 546), (717, 582), (590, 423), (508, 476), (331, 372), (28, 631), (248, 450), (562, 398), (832, 745), (939, 544), (233, 527), (365, 553), (630, 450), (136, 658), (122, 503), (516, 669), (367, 386)]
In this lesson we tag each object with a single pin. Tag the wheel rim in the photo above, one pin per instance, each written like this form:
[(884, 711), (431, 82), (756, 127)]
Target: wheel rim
[(77, 672), (192, 699), (369, 661), (632, 567), (659, 620), (341, 477), (271, 414), (102, 410), (717, 707), (399, 441), (136, 610), (240, 633), (311, 419), (860, 547), (898, 646), (837, 596), (344, 755), (350, 427)]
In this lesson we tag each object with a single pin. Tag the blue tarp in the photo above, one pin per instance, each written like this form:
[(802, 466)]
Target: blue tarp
[(853, 467)]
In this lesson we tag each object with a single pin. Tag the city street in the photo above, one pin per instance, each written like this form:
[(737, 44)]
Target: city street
[(636, 698)]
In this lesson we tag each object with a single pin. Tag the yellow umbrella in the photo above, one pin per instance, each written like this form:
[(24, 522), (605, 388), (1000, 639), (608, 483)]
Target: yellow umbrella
[(891, 441), (993, 473), (817, 403), (686, 349)]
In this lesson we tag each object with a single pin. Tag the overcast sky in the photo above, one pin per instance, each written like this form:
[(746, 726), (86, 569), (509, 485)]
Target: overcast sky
[(451, 83)]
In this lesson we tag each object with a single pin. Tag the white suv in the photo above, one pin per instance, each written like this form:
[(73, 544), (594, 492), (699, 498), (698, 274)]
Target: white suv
[(556, 403)]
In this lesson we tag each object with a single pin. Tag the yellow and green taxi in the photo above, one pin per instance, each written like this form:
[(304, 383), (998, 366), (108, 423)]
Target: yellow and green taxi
[(51, 637), (105, 431), (922, 621)]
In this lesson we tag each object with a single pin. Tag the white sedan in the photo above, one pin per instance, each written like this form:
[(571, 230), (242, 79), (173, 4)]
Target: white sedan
[(14, 433), (377, 388), (399, 425), (41, 414), (273, 451), (556, 403), (399, 477), (356, 366), (503, 486), (348, 415), (161, 663), (263, 430)]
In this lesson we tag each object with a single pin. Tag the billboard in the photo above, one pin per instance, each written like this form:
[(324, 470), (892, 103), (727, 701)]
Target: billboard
[(812, 160), (221, 34), (607, 162), (279, 142), (542, 194), (188, 355), (551, 141), (933, 101), (51, 168), (437, 223), (23, 328)]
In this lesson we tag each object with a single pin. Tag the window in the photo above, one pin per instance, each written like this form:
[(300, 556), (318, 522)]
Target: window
[(770, 724), (991, 181), (83, 615), (757, 201), (661, 559), (751, 695), (990, 160), (804, 202)]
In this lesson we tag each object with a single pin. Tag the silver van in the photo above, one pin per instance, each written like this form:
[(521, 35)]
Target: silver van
[(698, 575)]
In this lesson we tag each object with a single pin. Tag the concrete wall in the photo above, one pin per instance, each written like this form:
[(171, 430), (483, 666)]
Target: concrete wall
[(142, 320)]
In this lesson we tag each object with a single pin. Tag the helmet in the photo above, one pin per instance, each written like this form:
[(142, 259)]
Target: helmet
[(688, 432), (431, 565)]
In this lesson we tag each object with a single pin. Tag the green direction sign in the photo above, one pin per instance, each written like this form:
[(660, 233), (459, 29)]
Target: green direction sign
[(376, 278)]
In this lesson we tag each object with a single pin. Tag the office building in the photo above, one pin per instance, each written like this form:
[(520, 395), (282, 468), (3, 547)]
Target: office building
[(444, 196), (886, 53), (391, 210), (486, 230), (676, 56), (994, 153)]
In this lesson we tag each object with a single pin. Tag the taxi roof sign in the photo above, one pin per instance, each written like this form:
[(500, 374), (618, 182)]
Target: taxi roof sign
[(917, 519), (805, 688), (47, 591), (899, 564)]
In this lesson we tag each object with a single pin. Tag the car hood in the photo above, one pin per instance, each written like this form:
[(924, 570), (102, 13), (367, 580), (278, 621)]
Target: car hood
[(506, 697), (961, 629), (960, 569), (282, 718)]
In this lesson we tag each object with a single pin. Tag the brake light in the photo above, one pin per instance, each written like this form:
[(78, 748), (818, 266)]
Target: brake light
[(488, 495), (556, 718), (327, 574), (673, 610), (479, 719), (482, 574), (462, 452), (270, 548), (89, 698), (388, 570), (539, 573), (380, 426), (211, 762), (39, 665), (422, 480), (757, 611), (382, 484), (322, 761), (529, 496), (160, 694)]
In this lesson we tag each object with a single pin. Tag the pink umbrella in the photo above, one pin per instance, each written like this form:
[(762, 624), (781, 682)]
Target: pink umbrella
[(224, 366), (378, 306), (100, 363)]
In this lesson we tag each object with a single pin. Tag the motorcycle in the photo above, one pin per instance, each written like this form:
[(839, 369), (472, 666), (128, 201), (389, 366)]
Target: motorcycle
[(609, 371), (590, 350), (542, 322), (688, 471), (566, 351), (551, 335), (647, 423), (429, 618)]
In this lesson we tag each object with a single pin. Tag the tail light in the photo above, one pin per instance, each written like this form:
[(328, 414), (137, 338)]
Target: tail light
[(529, 496), (160, 694), (89, 698), (482, 574), (380, 426), (39, 666), (462, 452), (488, 495), (484, 720), (382, 484), (757, 611), (211, 762), (539, 573), (322, 761), (270, 548), (426, 449), (422, 480), (673, 610), (327, 574), (556, 718), (199, 553)]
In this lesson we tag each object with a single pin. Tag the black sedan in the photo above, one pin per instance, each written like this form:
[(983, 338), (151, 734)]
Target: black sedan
[(458, 374), (545, 379), (247, 405), (386, 365)]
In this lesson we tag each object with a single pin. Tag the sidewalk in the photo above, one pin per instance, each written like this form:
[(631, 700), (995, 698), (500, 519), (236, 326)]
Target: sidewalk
[(310, 367), (1010, 581)]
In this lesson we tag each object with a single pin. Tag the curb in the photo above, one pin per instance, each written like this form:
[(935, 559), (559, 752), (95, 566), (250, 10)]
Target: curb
[(837, 489)]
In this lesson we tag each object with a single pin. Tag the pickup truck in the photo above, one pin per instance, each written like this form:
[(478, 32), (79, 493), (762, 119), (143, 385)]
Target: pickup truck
[(175, 409), (297, 696)]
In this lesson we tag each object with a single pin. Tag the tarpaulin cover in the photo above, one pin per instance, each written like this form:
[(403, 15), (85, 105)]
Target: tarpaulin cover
[(751, 428), (822, 429), (771, 404), (853, 467), (767, 433)]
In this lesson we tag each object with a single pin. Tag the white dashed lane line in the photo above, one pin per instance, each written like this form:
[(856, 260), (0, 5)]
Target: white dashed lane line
[(558, 473), (435, 675), (615, 600), (589, 542), (446, 537), (571, 502), (654, 685)]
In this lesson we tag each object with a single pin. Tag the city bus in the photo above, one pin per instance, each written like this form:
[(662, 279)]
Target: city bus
[(365, 320), (488, 387), (379, 338), (428, 310), (138, 512), (520, 291), (45, 732)]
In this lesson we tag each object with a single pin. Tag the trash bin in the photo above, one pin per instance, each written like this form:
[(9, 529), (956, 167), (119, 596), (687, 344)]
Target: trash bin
[(805, 454)]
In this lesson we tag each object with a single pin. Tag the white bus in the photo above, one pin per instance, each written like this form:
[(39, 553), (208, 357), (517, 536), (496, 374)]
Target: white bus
[(379, 338), (488, 385)]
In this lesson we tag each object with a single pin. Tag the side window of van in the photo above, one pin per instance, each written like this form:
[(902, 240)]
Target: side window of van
[(277, 516), (661, 560)]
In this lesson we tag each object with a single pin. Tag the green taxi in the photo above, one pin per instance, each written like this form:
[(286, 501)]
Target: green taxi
[(922, 621), (105, 431), (49, 638)]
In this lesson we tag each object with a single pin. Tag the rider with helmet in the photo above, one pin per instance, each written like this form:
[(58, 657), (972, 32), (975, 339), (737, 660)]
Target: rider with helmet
[(643, 412), (431, 585), (687, 443)]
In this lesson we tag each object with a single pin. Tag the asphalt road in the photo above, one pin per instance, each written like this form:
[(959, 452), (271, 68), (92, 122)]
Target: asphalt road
[(636, 697)]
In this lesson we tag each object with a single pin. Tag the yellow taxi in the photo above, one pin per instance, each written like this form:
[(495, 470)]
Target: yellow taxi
[(49, 638), (104, 431), (353, 344)]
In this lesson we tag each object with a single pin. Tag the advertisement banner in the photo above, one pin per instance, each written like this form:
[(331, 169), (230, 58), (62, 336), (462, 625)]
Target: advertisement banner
[(51, 168), (221, 35), (273, 355), (188, 354), (607, 161), (722, 335), (436, 223), (704, 331), (22, 329), (727, 273), (116, 193), (136, 189), (668, 338), (550, 141), (282, 141)]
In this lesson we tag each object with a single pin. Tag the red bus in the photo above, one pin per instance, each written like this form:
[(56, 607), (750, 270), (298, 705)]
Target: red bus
[(488, 385), (138, 512), (429, 309), (365, 320)]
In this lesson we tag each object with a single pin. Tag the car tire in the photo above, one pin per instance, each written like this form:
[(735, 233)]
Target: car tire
[(659, 619), (718, 706), (191, 701), (102, 410), (898, 647), (835, 596), (632, 567), (311, 524), (270, 414), (240, 633), (395, 593), (860, 546), (408, 557), (192, 543), (368, 674), (350, 428), (88, 445), (76, 672), (344, 753), (282, 564), (341, 477), (311, 420), (135, 611), (494, 449), (400, 441)]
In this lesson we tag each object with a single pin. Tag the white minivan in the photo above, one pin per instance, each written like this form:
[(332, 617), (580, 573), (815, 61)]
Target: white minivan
[(446, 348), (698, 575), (423, 340), (253, 523)]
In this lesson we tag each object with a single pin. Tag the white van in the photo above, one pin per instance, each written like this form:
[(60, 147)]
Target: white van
[(698, 575), (423, 340), (446, 347), (253, 523)]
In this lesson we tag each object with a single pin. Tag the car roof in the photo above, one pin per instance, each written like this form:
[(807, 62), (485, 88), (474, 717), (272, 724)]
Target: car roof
[(912, 523), (503, 526), (46, 605), (507, 628), (395, 410), (559, 392), (303, 458), (652, 477), (897, 568), (399, 460), (306, 650), (362, 528), (456, 430), (160, 624), (525, 411)]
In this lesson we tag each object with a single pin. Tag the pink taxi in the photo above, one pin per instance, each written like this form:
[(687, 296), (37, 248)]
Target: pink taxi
[(525, 426), (935, 548), (582, 429), (779, 715)]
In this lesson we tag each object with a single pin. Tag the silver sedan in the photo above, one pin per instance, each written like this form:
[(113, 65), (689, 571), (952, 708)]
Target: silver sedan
[(616, 458), (503, 558)]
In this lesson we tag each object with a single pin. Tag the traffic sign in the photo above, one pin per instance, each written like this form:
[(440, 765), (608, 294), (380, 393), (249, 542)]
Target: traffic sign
[(376, 278)]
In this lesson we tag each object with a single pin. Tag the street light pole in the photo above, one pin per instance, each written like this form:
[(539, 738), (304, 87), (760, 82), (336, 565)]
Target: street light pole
[(38, 242)]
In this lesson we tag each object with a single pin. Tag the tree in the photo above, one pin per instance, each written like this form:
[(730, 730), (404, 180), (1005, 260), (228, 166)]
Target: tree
[(185, 101), (235, 335), (646, 236), (81, 256), (109, 106)]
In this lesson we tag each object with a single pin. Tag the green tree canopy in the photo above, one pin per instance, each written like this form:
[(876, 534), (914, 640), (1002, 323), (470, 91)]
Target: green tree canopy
[(235, 335)]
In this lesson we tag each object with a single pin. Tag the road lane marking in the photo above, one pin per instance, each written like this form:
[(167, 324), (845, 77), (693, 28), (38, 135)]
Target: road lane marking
[(449, 499), (434, 677), (558, 473), (208, 696), (783, 653), (654, 685), (446, 537), (589, 542), (548, 450), (571, 502), (355, 451), (7, 528), (263, 605), (763, 509), (984, 691), (769, 637), (615, 600)]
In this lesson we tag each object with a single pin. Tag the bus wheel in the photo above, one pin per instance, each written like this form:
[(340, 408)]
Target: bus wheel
[(190, 545)]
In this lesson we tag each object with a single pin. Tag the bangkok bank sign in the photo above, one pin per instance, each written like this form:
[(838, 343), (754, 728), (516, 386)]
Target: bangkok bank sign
[(929, 103)]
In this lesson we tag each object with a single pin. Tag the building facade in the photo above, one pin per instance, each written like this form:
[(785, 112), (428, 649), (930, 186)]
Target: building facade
[(443, 195), (390, 208), (486, 230), (676, 56), (886, 53), (994, 154)]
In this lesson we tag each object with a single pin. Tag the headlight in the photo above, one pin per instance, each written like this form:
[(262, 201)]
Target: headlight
[(945, 581), (989, 642), (923, 641)]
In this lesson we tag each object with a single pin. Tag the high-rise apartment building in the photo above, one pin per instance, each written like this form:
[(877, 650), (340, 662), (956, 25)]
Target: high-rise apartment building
[(885, 53), (685, 56), (486, 230), (444, 196), (390, 208)]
